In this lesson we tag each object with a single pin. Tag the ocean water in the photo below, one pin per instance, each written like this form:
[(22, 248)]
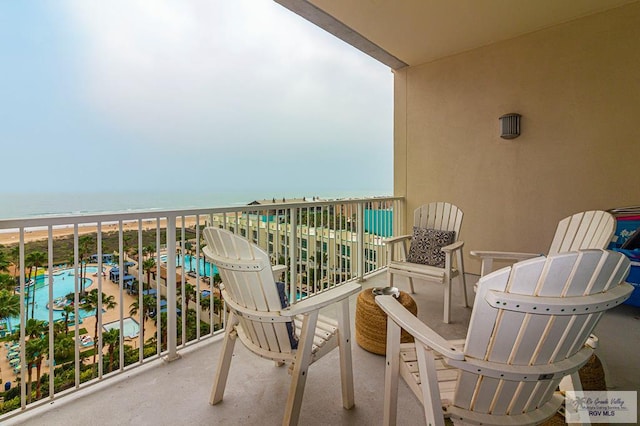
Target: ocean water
[(13, 206)]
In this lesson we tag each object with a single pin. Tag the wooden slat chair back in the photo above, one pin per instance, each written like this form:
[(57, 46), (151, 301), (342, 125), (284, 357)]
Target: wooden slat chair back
[(529, 329), (443, 217), (245, 270), (585, 230), (265, 327), (439, 215)]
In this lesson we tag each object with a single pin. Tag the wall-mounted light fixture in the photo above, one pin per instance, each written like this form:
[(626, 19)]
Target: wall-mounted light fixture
[(510, 126)]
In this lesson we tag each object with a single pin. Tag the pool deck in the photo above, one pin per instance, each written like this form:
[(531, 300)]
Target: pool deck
[(121, 310)]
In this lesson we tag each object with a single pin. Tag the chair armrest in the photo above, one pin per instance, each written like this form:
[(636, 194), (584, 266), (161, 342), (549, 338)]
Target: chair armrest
[(252, 314), (399, 242), (278, 270), (419, 330), (451, 247), (503, 255), (393, 240), (488, 257), (323, 299)]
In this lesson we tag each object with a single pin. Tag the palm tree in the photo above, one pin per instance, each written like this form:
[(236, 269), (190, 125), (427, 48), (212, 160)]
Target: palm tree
[(66, 312), (35, 328), (58, 328), (188, 247), (4, 262), (35, 350), (111, 338), (7, 282), (147, 265), (148, 306), (217, 279), (15, 259), (148, 250), (90, 303), (189, 293), (9, 304), (35, 259), (205, 303), (84, 243), (162, 317), (63, 346)]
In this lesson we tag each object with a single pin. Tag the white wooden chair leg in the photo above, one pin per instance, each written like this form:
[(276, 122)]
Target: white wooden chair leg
[(429, 384), (411, 285), (391, 374), (463, 280), (224, 363), (447, 299), (486, 266), (572, 383), (390, 279), (344, 346), (300, 369)]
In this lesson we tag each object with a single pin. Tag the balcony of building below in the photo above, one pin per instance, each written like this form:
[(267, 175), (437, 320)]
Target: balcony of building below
[(177, 392)]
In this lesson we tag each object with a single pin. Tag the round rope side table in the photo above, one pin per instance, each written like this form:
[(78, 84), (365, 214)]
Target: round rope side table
[(371, 322)]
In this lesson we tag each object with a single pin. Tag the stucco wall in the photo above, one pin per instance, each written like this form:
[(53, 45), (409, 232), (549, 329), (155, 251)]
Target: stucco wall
[(577, 86)]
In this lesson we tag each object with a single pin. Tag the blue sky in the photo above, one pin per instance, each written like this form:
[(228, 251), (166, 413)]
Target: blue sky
[(187, 95)]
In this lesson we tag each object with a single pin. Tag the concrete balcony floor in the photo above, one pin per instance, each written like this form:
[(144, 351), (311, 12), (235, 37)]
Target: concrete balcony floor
[(177, 392)]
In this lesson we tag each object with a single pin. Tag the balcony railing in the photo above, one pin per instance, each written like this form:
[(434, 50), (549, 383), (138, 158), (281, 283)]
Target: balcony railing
[(97, 295)]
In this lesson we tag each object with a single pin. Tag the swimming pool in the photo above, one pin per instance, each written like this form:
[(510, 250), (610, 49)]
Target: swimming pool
[(131, 328), (63, 284), (191, 263)]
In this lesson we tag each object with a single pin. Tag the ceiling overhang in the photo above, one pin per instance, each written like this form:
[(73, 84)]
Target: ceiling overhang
[(413, 32)]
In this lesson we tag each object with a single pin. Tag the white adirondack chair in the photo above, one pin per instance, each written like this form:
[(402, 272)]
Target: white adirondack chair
[(442, 217), (529, 328), (259, 320), (585, 230)]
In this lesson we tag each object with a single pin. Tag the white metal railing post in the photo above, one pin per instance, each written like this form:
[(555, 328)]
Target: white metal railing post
[(121, 269), (141, 293), (100, 341), (171, 289), (396, 226), (293, 255), (23, 321), (360, 241), (158, 289), (50, 299)]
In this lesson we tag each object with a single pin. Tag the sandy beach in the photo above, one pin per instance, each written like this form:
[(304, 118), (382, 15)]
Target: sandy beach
[(7, 238)]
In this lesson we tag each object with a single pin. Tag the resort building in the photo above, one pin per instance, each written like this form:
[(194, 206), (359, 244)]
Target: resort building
[(325, 253)]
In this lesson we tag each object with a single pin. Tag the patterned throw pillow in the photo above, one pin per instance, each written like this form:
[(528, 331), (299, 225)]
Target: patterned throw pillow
[(426, 246)]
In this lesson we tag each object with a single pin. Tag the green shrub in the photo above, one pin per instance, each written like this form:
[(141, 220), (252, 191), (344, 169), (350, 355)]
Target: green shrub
[(10, 405)]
